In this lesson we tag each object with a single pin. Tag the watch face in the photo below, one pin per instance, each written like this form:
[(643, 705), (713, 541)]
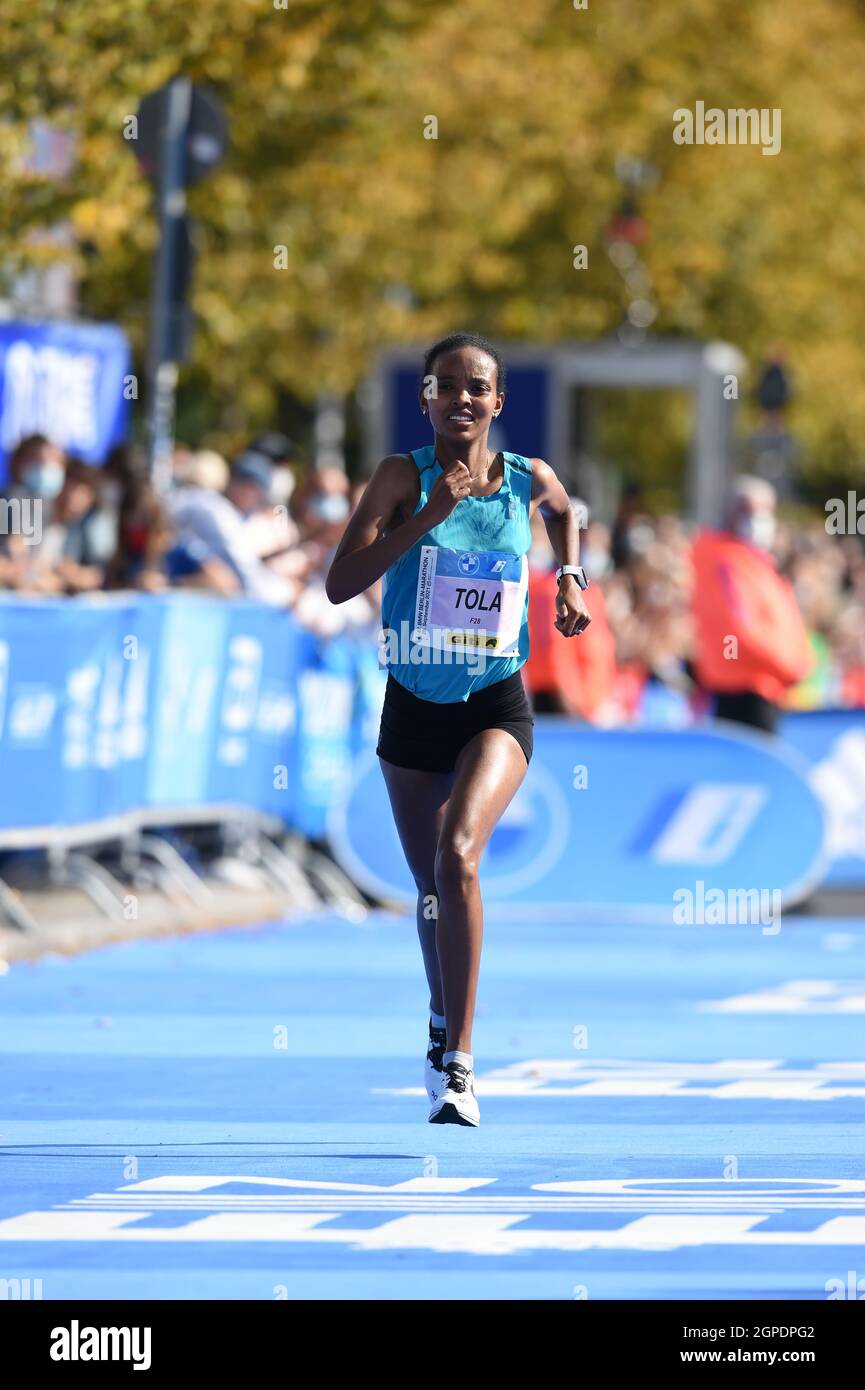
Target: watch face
[(578, 573)]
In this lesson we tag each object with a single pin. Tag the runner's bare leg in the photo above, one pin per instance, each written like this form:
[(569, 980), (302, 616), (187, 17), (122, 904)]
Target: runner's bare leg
[(488, 772)]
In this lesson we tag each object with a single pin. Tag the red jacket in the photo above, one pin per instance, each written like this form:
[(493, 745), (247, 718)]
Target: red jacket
[(750, 633), (584, 666)]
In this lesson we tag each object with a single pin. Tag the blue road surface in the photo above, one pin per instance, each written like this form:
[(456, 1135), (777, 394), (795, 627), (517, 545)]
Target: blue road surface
[(665, 1113)]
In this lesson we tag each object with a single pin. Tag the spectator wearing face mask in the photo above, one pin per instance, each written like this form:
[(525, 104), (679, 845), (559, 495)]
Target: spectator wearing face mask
[(37, 468), (87, 530), (216, 521), (751, 641), (321, 506), (272, 530), (596, 552), (633, 528), (37, 471), (282, 453)]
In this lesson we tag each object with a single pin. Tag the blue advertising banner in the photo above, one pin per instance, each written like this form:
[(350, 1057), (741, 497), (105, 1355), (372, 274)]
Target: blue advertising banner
[(63, 380), (833, 742), (256, 710), (620, 820), (119, 703), (190, 660), (326, 696), (125, 702), (91, 687), (369, 698), (128, 702), (140, 628), (74, 701), (32, 700)]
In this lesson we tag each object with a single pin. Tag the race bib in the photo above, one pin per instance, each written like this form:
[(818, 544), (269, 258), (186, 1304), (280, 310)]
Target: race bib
[(468, 598)]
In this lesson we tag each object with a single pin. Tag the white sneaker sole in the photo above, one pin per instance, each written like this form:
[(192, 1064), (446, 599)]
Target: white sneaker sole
[(448, 1114)]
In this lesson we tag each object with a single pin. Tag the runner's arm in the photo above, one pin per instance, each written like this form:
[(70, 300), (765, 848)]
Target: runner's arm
[(563, 529), (560, 519), (373, 539)]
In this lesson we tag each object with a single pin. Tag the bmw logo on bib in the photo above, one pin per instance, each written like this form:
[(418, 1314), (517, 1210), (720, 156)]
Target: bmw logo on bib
[(468, 563)]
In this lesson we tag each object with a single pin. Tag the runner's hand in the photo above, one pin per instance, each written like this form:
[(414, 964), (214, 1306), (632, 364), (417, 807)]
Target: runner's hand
[(448, 490), (572, 615)]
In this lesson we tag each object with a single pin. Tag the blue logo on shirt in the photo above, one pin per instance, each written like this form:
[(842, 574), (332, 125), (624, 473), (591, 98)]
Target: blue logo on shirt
[(468, 563)]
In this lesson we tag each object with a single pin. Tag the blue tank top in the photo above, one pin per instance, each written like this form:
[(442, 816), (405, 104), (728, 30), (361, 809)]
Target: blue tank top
[(455, 606)]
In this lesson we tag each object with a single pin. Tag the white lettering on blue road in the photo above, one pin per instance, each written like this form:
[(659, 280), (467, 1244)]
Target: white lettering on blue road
[(796, 997), (738, 1079), (464, 1215)]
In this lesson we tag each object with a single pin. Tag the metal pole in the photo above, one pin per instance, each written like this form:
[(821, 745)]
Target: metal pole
[(171, 204), (329, 431), (712, 457)]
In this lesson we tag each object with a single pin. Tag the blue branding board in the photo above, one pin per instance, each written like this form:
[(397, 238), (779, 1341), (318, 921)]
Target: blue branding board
[(138, 702), (833, 744), (129, 702), (621, 820), (66, 381)]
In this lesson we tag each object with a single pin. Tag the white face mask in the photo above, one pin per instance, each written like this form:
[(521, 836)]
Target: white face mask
[(281, 484), (44, 479), (758, 529), (330, 506), (597, 562), (542, 556)]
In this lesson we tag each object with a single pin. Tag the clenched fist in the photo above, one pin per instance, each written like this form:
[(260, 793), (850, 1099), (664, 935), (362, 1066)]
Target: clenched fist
[(572, 615), (454, 484)]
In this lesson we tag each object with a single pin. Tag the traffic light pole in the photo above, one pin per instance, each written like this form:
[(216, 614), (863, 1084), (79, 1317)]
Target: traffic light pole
[(171, 203)]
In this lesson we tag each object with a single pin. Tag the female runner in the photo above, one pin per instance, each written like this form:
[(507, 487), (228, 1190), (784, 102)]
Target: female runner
[(448, 527)]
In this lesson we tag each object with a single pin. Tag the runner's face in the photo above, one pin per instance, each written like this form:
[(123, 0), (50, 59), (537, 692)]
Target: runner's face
[(467, 395)]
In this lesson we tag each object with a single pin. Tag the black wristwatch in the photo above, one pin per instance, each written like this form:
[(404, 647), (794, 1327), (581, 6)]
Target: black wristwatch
[(577, 571)]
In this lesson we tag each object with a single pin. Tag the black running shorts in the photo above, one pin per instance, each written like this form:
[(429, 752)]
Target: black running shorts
[(428, 736)]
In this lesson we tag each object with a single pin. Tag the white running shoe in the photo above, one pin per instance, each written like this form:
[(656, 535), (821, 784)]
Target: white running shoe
[(456, 1104), (433, 1065)]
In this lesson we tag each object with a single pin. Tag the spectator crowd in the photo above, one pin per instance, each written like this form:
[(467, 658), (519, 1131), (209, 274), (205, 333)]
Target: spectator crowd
[(249, 528), (264, 528), (758, 616)]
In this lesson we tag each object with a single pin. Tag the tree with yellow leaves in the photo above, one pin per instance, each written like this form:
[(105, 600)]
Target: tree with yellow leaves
[(397, 170)]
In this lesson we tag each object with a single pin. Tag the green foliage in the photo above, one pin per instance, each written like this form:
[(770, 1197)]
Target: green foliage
[(534, 103)]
